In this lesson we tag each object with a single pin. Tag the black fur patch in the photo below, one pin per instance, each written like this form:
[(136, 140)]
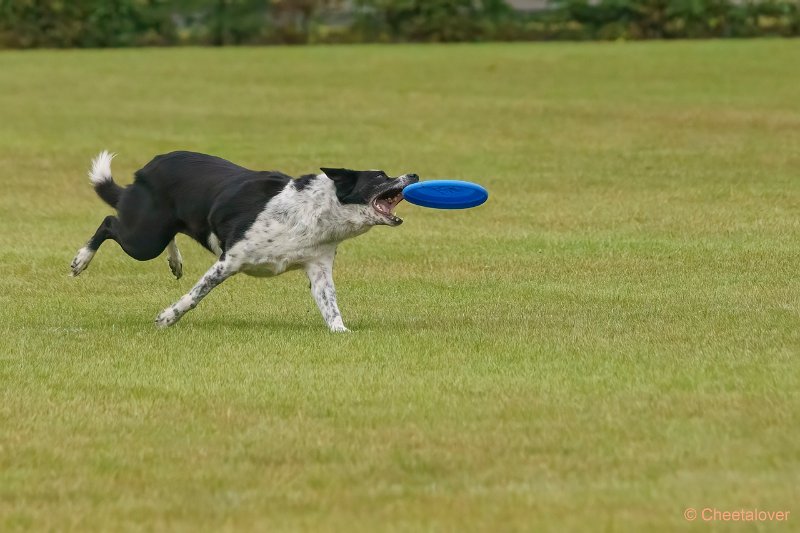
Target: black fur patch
[(199, 194), (304, 181)]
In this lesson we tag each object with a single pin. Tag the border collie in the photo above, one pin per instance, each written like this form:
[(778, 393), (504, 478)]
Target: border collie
[(261, 223)]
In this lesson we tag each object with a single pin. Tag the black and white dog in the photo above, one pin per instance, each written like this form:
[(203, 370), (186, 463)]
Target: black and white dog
[(262, 223)]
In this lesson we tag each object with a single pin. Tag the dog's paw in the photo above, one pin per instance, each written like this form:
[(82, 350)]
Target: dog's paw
[(339, 328), (166, 318), (176, 267), (81, 261)]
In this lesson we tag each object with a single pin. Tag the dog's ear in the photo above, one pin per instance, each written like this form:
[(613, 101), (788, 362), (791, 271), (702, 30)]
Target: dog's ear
[(345, 181), (340, 174)]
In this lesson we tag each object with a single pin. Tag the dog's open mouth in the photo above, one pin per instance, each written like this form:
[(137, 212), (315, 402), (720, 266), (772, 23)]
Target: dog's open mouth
[(385, 204)]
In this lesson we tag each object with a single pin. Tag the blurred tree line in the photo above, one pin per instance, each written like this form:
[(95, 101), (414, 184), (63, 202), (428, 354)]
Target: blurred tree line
[(103, 23)]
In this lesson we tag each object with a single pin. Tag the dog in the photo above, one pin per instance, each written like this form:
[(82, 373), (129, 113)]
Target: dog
[(261, 223)]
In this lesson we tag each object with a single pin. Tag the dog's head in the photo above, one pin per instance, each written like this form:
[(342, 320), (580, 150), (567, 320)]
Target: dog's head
[(373, 189)]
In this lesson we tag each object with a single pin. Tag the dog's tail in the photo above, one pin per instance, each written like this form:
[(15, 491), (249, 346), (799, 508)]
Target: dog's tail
[(100, 176)]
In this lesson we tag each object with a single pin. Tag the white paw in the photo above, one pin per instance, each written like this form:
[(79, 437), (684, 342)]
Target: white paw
[(339, 328), (81, 260), (176, 267), (167, 317)]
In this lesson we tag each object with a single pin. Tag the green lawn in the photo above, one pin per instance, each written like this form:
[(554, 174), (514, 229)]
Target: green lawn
[(612, 338)]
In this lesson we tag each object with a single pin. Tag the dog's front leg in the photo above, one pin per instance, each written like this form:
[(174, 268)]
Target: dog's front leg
[(320, 274), (218, 273)]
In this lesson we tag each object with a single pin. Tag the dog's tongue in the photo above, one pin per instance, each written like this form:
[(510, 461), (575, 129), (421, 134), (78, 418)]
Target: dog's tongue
[(384, 206), (387, 205)]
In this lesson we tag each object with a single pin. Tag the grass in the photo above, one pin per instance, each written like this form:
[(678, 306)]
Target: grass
[(611, 339)]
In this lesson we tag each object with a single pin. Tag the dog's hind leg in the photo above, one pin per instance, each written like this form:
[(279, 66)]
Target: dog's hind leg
[(142, 242), (107, 230), (174, 259), (222, 270)]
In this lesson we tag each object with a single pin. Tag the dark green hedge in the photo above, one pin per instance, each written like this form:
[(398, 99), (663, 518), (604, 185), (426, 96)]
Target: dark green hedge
[(103, 23), (663, 19)]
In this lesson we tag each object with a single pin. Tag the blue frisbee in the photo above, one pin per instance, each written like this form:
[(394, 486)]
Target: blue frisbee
[(446, 194)]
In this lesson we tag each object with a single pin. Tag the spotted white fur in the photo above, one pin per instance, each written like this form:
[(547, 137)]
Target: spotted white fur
[(298, 227)]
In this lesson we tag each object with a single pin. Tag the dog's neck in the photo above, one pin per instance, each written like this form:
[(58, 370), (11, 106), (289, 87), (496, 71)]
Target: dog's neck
[(315, 214), (337, 220)]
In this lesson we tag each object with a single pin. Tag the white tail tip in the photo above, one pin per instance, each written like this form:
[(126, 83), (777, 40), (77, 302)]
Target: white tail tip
[(101, 168)]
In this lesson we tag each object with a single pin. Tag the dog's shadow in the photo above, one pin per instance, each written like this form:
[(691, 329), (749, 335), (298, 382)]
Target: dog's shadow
[(271, 324)]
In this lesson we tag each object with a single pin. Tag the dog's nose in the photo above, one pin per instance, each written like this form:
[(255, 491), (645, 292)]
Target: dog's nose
[(412, 177)]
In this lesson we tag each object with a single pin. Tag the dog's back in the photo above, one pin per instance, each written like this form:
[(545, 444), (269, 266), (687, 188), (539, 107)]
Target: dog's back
[(206, 193)]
